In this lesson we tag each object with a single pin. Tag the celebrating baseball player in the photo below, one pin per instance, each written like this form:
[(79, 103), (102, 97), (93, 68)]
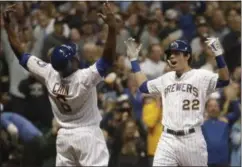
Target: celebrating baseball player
[(72, 93), (184, 92)]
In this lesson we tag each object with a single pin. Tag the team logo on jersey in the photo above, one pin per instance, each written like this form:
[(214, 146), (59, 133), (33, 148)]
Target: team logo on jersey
[(181, 87), (61, 89), (41, 63)]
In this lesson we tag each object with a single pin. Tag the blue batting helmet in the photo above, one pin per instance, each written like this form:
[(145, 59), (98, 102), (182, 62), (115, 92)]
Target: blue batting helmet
[(61, 55), (178, 45)]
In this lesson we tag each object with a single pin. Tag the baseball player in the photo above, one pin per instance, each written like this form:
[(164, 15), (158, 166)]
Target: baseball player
[(184, 92), (72, 93)]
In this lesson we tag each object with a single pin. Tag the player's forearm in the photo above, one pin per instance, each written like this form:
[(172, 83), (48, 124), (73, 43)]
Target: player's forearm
[(14, 42), (223, 72), (109, 53), (140, 77), (236, 112)]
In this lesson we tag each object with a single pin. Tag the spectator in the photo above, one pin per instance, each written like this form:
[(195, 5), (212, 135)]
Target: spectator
[(236, 76), (219, 24), (232, 42), (186, 22), (152, 120), (16, 75), (153, 66), (112, 125), (172, 30), (20, 129), (132, 145), (52, 14), (77, 14), (216, 132), (229, 94), (54, 39), (49, 149), (135, 97), (197, 43), (132, 25), (150, 35), (88, 32), (38, 110), (236, 144), (122, 35), (40, 31), (91, 53), (75, 38)]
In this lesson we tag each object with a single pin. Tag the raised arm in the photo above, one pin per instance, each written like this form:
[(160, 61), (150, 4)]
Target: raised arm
[(37, 67), (223, 72), (110, 46), (236, 112), (109, 53), (14, 41), (133, 53)]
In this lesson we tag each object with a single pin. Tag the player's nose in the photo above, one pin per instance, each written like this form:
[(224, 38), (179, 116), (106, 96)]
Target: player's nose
[(172, 56)]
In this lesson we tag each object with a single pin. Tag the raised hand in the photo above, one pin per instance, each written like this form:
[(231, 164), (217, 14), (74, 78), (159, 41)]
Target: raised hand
[(108, 15), (215, 45), (7, 12), (132, 49)]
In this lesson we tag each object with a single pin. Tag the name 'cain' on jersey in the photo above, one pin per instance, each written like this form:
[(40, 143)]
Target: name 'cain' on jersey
[(74, 98), (184, 98)]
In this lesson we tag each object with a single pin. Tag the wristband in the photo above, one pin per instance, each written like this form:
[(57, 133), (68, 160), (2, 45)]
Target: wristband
[(135, 66), (220, 61)]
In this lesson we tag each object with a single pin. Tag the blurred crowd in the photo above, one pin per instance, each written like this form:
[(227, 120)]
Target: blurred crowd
[(131, 120)]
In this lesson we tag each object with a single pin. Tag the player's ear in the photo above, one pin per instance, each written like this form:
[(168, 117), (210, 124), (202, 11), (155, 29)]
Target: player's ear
[(187, 56)]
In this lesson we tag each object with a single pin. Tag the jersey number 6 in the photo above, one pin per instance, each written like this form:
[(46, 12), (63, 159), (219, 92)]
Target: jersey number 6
[(190, 104), (65, 108)]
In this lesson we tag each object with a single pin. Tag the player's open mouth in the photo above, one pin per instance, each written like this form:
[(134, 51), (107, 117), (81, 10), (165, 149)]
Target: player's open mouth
[(173, 62)]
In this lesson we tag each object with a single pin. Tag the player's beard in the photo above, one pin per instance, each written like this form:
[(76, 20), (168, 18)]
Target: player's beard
[(68, 70)]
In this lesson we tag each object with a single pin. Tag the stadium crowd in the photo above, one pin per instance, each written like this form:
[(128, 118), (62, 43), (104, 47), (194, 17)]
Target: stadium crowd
[(131, 120)]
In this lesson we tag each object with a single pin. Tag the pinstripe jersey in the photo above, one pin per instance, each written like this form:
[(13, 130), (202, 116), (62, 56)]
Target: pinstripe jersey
[(183, 98), (73, 99)]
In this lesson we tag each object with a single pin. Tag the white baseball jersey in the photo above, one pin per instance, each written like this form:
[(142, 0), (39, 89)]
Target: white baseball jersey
[(73, 99), (183, 98)]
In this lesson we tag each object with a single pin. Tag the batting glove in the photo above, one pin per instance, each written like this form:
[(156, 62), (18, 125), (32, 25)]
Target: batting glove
[(215, 46), (13, 131), (132, 49)]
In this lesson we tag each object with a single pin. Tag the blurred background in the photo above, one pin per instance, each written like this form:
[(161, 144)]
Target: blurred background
[(131, 120)]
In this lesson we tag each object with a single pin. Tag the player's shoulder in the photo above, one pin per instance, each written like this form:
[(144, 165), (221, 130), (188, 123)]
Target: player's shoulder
[(203, 72), (168, 74), (38, 61), (82, 73)]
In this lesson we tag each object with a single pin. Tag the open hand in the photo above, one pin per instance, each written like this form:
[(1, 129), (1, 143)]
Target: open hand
[(215, 45), (108, 15), (7, 12), (132, 49)]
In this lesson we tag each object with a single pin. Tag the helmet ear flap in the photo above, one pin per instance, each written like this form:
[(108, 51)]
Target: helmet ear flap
[(167, 54)]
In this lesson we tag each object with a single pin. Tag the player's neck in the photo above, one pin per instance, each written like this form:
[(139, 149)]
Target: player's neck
[(186, 69)]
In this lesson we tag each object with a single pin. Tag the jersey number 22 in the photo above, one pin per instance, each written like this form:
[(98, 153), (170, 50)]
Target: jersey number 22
[(190, 104)]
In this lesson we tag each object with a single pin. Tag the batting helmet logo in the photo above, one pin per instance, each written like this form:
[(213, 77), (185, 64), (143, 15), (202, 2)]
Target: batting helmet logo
[(174, 45)]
